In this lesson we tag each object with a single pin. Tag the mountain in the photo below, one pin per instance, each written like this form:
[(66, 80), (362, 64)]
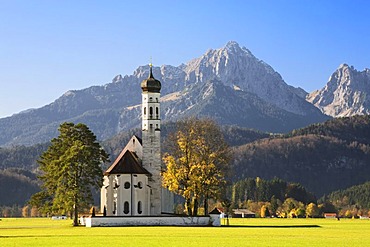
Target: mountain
[(322, 157), (347, 93), (229, 84)]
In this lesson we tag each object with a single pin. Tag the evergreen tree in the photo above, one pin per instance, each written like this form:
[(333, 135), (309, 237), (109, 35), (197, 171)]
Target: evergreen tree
[(70, 167)]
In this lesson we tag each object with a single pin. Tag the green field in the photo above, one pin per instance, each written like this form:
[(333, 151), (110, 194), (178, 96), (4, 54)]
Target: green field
[(241, 232)]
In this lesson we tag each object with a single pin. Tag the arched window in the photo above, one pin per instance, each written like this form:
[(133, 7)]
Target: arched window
[(144, 110), (140, 185), (126, 207), (150, 112), (157, 112), (139, 208), (114, 207)]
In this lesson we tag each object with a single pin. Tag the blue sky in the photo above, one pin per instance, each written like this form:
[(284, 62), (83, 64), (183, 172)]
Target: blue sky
[(48, 47)]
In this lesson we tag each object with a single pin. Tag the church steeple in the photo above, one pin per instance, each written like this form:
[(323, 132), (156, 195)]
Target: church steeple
[(151, 138), (151, 84)]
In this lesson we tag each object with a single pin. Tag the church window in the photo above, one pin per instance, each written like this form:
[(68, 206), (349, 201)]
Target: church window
[(133, 141), (144, 110), (140, 185), (151, 112), (156, 99), (139, 207), (150, 99), (126, 207), (157, 112), (114, 207), (126, 185)]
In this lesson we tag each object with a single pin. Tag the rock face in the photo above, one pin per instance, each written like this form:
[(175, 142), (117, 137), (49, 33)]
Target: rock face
[(347, 93), (229, 84), (236, 66)]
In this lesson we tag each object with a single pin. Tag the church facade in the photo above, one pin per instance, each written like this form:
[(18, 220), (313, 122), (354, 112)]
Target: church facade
[(132, 185)]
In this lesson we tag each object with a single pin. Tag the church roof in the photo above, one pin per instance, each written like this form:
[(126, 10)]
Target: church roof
[(151, 84), (127, 164), (139, 139)]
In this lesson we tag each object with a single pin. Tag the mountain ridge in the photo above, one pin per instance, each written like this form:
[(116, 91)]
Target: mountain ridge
[(111, 108), (346, 93)]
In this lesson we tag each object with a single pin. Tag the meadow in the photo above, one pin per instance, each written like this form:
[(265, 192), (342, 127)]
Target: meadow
[(241, 232)]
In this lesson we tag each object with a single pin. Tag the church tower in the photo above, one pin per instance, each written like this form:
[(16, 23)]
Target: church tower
[(151, 139)]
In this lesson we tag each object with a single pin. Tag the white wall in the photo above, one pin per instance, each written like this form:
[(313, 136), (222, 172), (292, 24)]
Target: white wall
[(153, 221)]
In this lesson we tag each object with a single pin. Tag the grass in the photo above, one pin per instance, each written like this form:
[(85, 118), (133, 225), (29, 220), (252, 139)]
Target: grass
[(240, 232)]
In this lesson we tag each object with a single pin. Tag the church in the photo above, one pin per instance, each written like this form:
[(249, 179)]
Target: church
[(132, 184), (132, 192)]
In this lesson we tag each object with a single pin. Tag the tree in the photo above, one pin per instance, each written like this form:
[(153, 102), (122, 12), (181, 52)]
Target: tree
[(26, 211), (265, 212), (312, 210), (274, 204), (196, 162), (70, 168), (34, 212)]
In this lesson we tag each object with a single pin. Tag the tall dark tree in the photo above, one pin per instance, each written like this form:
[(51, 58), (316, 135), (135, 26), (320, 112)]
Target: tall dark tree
[(71, 168)]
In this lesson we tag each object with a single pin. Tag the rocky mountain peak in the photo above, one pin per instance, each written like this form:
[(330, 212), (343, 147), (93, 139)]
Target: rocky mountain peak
[(236, 66), (117, 79), (345, 94)]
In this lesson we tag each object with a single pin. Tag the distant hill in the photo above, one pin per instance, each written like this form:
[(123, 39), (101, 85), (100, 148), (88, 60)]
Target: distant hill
[(229, 84), (17, 186), (21, 156), (322, 157), (358, 196)]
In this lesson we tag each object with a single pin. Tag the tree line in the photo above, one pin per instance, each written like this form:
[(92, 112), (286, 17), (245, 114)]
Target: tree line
[(351, 202)]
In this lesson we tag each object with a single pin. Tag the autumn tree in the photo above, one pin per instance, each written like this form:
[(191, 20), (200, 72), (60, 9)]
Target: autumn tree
[(196, 164), (312, 210), (26, 211), (70, 168), (264, 212)]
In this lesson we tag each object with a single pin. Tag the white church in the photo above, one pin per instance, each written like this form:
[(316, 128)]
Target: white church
[(132, 192), (132, 184)]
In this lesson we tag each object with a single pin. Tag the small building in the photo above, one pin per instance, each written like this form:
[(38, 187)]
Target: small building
[(330, 215), (243, 213)]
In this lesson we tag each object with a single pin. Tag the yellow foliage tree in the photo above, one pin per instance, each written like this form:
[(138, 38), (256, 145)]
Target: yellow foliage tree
[(312, 210), (196, 162)]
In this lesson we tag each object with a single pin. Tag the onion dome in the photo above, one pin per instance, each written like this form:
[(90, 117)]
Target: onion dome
[(151, 84)]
